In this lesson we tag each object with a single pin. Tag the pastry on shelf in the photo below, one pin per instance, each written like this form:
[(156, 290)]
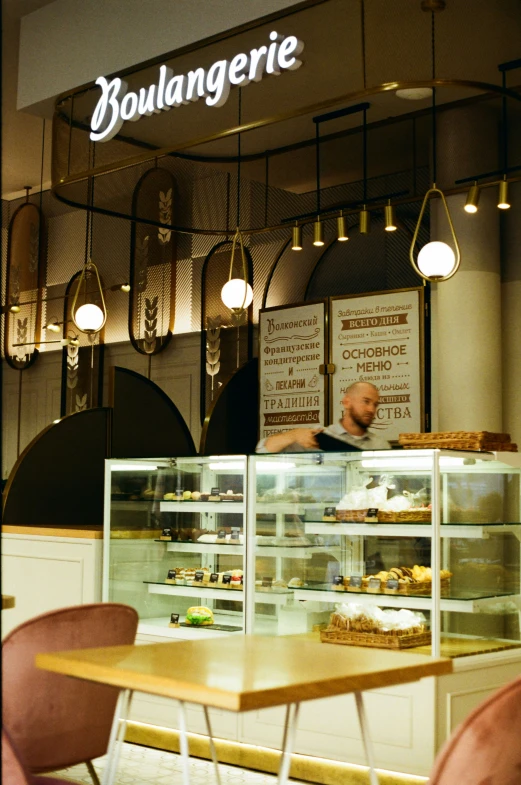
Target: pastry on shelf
[(295, 583), (199, 616)]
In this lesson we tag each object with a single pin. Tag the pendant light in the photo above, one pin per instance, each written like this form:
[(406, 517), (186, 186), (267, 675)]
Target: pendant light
[(341, 231), (471, 205), (390, 223), (502, 201), (89, 317), (237, 293), (437, 261), (296, 244)]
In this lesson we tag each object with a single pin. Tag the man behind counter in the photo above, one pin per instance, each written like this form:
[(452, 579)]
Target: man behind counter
[(360, 403)]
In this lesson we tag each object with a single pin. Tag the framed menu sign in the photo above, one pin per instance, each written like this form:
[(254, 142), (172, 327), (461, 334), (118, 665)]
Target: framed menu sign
[(292, 353), (378, 338)]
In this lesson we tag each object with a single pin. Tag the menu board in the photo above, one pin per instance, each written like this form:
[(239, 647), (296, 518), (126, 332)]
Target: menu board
[(378, 338), (292, 347)]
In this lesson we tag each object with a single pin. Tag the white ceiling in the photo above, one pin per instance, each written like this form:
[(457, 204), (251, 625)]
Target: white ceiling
[(22, 133), (476, 57)]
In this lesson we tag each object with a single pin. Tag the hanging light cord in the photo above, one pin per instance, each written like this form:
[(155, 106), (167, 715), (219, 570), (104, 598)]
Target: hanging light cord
[(238, 222), (504, 123), (433, 49), (317, 145), (365, 156)]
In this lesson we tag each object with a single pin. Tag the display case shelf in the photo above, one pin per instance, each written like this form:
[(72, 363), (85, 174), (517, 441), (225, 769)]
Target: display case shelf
[(203, 547), (233, 595), (464, 602), (450, 530), (208, 507)]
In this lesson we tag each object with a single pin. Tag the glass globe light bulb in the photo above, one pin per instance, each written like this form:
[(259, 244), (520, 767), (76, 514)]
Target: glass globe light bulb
[(436, 260), (89, 318), (233, 294)]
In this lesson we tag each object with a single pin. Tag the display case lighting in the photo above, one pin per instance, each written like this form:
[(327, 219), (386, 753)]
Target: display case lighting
[(223, 466), (409, 463), (134, 467), (268, 467)]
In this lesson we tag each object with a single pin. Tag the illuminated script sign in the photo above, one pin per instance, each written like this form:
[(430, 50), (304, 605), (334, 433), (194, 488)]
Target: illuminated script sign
[(117, 104)]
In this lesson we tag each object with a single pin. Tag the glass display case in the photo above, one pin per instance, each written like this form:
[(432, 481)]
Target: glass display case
[(174, 541), (420, 546), (410, 547)]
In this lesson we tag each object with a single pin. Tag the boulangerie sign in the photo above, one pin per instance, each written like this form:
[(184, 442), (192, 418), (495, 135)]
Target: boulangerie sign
[(117, 104), (292, 347), (378, 338)]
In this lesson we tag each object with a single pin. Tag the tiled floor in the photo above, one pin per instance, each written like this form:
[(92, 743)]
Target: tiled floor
[(143, 765)]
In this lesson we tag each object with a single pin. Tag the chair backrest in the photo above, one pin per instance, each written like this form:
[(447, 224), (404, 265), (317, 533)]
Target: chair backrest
[(486, 747), (13, 772), (55, 721)]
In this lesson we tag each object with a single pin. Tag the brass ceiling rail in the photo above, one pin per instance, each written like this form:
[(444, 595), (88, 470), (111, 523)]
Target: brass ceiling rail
[(356, 96)]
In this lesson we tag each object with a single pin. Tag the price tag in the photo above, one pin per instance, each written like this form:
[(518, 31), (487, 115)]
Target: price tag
[(179, 491), (374, 584), (171, 574), (372, 515), (355, 581), (215, 491), (174, 618), (214, 577), (392, 584), (267, 582), (227, 579), (235, 534), (330, 512), (198, 577), (221, 534), (338, 580)]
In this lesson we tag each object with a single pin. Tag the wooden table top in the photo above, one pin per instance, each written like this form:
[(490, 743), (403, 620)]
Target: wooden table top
[(245, 673), (8, 601)]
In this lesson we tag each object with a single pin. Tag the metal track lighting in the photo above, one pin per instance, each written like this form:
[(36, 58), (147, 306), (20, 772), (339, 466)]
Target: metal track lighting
[(318, 233), (341, 231), (364, 225), (296, 244), (471, 205), (390, 223), (503, 202)]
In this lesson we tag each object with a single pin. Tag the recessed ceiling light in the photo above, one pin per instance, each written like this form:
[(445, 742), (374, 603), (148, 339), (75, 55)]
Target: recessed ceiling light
[(414, 93)]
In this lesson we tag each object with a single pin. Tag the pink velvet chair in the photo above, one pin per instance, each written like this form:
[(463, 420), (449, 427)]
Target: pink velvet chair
[(486, 748), (15, 773), (52, 720)]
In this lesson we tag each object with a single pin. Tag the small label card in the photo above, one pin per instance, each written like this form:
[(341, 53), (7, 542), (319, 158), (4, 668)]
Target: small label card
[(215, 491), (235, 534), (267, 582), (227, 579), (171, 576), (221, 535), (374, 584), (214, 577), (338, 582), (355, 582), (372, 515), (174, 620), (392, 585), (166, 534), (198, 577), (329, 514)]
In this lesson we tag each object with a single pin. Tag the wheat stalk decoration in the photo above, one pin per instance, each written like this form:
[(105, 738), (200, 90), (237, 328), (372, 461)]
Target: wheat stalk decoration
[(213, 352), (81, 403), (165, 216), (33, 248), (150, 324), (72, 366)]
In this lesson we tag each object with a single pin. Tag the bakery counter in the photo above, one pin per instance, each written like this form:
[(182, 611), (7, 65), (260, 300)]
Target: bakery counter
[(48, 567)]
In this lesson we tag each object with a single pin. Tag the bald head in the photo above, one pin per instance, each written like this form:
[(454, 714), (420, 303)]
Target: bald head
[(360, 404)]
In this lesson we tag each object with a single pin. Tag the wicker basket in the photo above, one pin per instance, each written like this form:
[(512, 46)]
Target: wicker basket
[(458, 440), (352, 516), (405, 516), (377, 641)]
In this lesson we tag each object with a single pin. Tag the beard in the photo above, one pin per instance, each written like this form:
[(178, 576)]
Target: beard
[(363, 421)]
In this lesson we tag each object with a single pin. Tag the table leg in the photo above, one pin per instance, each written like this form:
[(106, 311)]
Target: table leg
[(288, 740), (366, 738), (212, 745), (183, 743), (117, 734)]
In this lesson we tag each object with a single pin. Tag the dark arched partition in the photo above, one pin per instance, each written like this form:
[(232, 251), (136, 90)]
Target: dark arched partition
[(145, 421)]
